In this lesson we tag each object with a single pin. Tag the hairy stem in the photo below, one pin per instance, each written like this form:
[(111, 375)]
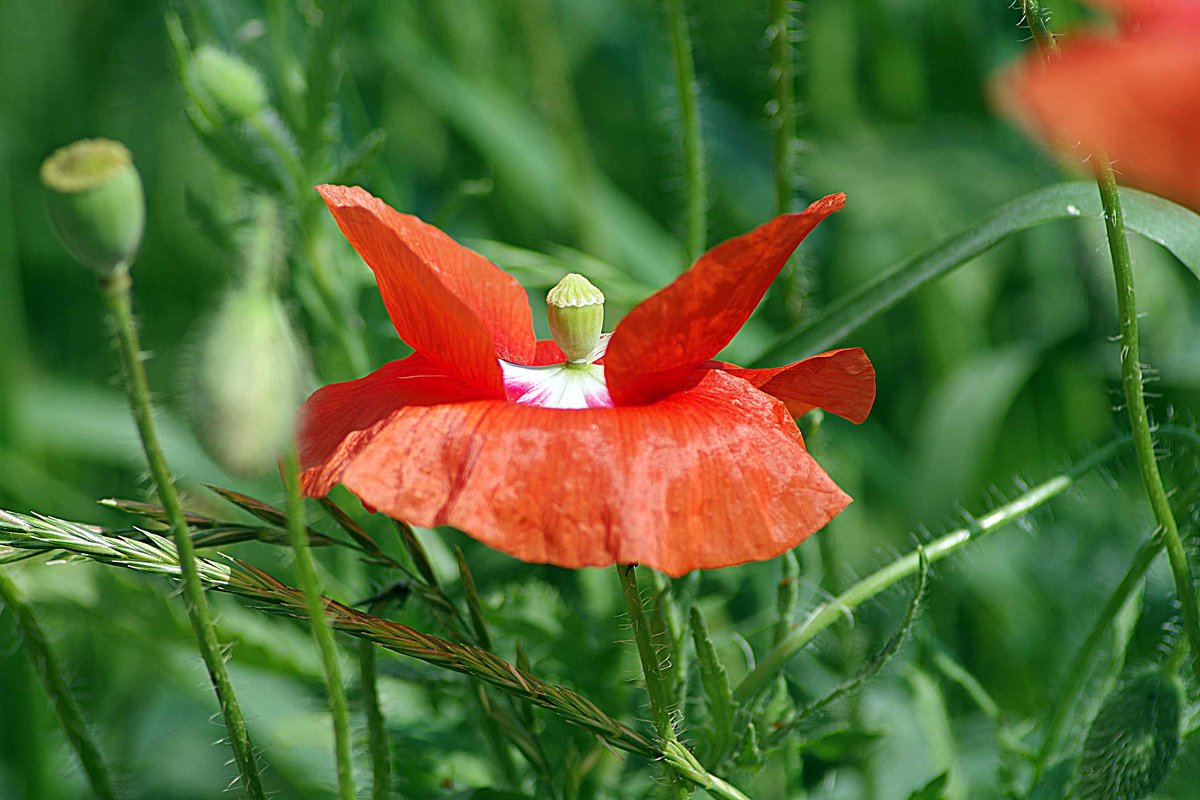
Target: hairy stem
[(1038, 21), (1135, 402), (50, 672), (660, 698), (322, 631), (689, 120), (116, 291)]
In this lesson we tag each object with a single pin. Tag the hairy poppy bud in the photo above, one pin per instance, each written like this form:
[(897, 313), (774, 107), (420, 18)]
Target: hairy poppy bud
[(96, 202), (231, 83), (575, 309), (250, 380), (1133, 740)]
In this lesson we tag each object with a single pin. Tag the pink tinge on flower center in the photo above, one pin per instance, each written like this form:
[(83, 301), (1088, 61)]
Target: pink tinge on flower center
[(556, 386)]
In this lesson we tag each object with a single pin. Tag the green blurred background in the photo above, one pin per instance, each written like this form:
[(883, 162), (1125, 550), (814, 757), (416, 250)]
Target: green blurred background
[(545, 134)]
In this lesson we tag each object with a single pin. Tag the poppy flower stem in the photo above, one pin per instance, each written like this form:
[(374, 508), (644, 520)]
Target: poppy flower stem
[(1135, 403), (651, 658), (1038, 21), (33, 638), (314, 603), (693, 138), (115, 287)]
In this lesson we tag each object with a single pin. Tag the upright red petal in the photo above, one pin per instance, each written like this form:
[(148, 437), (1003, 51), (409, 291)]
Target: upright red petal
[(709, 477), (449, 303), (661, 341), (338, 420), (841, 382)]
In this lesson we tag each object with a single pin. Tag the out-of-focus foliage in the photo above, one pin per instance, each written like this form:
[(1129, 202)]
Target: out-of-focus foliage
[(544, 134)]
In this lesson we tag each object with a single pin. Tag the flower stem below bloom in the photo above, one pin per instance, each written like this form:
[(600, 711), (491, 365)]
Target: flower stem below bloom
[(322, 630), (1135, 402)]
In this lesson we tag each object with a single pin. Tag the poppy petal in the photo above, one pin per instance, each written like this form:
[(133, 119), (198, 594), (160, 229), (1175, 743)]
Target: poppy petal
[(338, 420), (1134, 98), (708, 477), (675, 330), (841, 382), (447, 302)]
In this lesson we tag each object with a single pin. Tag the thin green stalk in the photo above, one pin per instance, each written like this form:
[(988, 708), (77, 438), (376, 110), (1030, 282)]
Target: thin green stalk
[(50, 672), (689, 120), (1038, 21), (1135, 402), (660, 703), (322, 630), (115, 288), (825, 614), (381, 764), (782, 76)]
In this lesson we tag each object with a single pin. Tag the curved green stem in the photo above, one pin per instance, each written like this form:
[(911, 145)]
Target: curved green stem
[(314, 603), (1135, 402), (33, 638), (116, 290), (827, 613), (689, 120)]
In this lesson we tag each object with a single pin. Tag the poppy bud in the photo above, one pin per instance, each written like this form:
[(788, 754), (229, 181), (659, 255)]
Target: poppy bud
[(1133, 740), (575, 309), (96, 202), (249, 382), (231, 83)]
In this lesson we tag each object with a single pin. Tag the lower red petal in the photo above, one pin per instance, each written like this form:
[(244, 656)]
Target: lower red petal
[(708, 477), (840, 381), (338, 420)]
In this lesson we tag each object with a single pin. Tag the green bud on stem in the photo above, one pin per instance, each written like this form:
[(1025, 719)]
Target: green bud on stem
[(1133, 740), (232, 84), (250, 380), (575, 309), (96, 202)]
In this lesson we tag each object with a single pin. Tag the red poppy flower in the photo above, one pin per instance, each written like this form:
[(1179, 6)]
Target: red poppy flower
[(658, 455), (1133, 95)]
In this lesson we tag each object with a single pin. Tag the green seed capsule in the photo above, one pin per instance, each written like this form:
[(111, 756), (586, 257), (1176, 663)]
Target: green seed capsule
[(1133, 740), (96, 202), (249, 383), (575, 309)]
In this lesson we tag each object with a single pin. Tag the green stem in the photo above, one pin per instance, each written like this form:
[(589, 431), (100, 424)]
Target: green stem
[(689, 120), (660, 704), (50, 672), (825, 614), (1135, 402), (1078, 673), (381, 764), (1038, 21), (314, 603), (782, 75), (115, 288)]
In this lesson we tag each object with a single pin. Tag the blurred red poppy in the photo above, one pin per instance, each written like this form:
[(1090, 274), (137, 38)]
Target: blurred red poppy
[(658, 455), (1132, 94)]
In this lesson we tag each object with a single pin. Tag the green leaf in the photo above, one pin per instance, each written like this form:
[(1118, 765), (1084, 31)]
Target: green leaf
[(1159, 220), (934, 790), (719, 696)]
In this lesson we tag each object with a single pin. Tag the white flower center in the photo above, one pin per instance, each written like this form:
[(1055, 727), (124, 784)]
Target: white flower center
[(556, 386)]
